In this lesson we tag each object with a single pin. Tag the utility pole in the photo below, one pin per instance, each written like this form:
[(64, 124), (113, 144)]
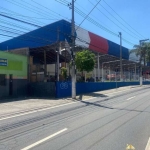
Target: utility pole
[(73, 56), (57, 57), (121, 73), (141, 78)]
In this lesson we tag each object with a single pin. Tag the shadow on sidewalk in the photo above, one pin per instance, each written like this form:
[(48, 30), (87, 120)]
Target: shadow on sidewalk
[(109, 107), (92, 95)]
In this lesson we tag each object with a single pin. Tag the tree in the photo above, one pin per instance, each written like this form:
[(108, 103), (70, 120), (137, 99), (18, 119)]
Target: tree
[(85, 61), (148, 52), (143, 52), (64, 72)]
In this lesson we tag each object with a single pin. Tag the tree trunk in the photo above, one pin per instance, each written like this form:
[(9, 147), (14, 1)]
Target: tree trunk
[(144, 60)]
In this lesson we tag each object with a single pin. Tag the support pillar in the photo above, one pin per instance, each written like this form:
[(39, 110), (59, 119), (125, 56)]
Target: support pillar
[(85, 77), (109, 74), (141, 77), (129, 74), (135, 73), (102, 73), (45, 65), (98, 68), (94, 74)]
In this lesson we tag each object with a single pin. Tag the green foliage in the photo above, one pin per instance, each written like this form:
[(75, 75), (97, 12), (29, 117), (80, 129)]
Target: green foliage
[(85, 60), (148, 52), (142, 51), (64, 72)]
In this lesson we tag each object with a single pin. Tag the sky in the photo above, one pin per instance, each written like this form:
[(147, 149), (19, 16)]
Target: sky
[(109, 17)]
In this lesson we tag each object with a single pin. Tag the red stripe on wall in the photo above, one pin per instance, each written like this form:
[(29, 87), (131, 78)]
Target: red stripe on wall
[(98, 44)]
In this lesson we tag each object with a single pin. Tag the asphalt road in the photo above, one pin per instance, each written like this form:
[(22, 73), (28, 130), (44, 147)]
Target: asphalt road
[(104, 123)]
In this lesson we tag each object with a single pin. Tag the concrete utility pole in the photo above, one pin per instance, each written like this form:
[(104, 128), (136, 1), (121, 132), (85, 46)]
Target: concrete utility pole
[(121, 73), (58, 50), (141, 78), (73, 56)]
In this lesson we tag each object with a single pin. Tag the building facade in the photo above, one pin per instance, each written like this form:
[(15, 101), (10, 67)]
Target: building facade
[(13, 75)]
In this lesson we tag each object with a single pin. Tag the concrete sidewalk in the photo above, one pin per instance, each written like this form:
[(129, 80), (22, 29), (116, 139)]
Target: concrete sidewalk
[(15, 107)]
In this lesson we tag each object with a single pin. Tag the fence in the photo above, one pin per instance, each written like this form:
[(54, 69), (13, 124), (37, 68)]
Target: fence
[(42, 89), (63, 89)]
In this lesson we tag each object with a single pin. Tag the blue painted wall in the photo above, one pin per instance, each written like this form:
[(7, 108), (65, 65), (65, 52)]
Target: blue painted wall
[(63, 89)]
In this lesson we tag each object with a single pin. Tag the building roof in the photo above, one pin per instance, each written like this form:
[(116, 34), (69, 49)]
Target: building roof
[(49, 34)]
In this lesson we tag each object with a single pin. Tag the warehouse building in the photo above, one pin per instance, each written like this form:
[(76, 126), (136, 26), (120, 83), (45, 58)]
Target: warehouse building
[(48, 49), (57, 36)]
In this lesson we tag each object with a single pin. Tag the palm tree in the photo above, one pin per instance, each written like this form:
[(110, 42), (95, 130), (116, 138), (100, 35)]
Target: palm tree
[(143, 52), (148, 52)]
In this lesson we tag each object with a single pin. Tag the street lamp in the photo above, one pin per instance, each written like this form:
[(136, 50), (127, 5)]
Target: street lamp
[(141, 78)]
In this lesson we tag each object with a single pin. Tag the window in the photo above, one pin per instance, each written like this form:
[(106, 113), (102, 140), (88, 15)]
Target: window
[(2, 79)]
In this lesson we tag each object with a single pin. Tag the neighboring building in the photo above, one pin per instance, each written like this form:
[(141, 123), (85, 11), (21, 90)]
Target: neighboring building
[(13, 75)]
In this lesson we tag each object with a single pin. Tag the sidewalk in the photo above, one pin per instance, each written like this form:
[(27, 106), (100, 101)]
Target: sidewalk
[(15, 107)]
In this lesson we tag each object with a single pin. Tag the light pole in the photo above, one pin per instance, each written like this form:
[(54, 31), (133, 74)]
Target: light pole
[(141, 78)]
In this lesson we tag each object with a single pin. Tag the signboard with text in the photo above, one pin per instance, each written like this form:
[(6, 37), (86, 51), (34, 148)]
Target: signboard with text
[(3, 62)]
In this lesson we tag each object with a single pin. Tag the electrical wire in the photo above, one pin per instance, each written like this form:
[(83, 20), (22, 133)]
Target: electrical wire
[(26, 22), (122, 19), (50, 10), (115, 23), (32, 9), (93, 21), (88, 14)]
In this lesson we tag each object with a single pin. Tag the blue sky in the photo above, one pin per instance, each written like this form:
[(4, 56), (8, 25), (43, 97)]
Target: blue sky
[(130, 17)]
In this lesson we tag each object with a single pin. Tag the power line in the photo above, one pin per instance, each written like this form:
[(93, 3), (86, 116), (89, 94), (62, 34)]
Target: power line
[(49, 9), (26, 16), (88, 14), (122, 18), (126, 41), (93, 21), (7, 10), (39, 26), (114, 22), (19, 20), (92, 15), (32, 9)]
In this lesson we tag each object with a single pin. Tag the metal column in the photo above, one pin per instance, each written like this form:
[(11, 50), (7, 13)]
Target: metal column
[(98, 69), (95, 74), (129, 74), (135, 73), (45, 65), (102, 73), (109, 73)]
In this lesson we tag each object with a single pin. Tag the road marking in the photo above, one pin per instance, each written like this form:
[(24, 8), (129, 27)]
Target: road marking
[(130, 98), (18, 115), (43, 140), (148, 145), (4, 118)]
